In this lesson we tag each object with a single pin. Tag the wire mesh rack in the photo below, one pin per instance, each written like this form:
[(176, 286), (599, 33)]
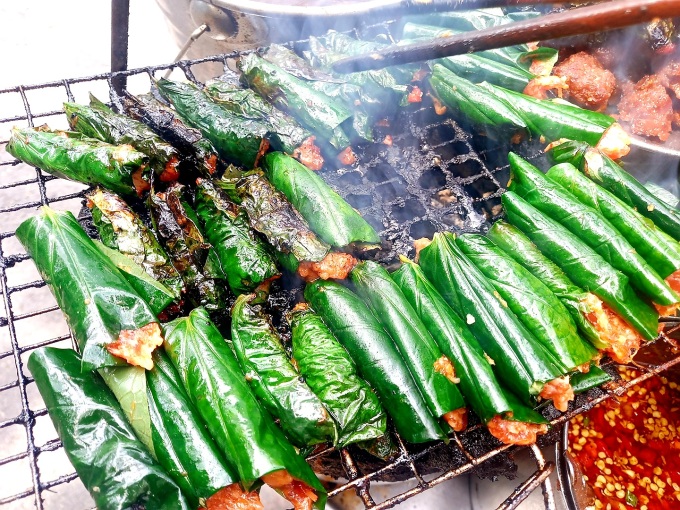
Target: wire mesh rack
[(433, 176)]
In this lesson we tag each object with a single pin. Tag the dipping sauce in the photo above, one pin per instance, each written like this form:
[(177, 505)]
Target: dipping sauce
[(629, 451)]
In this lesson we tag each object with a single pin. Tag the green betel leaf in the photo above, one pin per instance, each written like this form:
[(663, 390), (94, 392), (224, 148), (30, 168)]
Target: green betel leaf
[(326, 212)]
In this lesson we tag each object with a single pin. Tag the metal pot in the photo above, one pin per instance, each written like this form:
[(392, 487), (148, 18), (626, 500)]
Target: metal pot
[(244, 24)]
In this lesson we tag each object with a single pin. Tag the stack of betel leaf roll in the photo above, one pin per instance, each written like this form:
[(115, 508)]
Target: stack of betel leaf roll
[(203, 198)]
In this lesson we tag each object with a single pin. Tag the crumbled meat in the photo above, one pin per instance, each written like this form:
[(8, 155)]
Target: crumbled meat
[(541, 85), (647, 107), (347, 157), (233, 497), (336, 265), (439, 108), (615, 142), (673, 282), (541, 67), (590, 84), (387, 140), (296, 492), (583, 368), (264, 147), (211, 163), (669, 77), (420, 244), (444, 366), (309, 154), (559, 391), (135, 346), (457, 419), (622, 339), (141, 185), (515, 432), (416, 95), (170, 172)]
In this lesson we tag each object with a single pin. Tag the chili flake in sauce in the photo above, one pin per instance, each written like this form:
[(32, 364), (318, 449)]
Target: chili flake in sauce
[(629, 451)]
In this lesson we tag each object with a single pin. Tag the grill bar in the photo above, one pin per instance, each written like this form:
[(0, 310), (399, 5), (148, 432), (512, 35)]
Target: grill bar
[(436, 176)]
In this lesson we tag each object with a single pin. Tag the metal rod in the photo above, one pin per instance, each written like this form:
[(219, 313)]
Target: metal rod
[(583, 20), (120, 25), (530, 484)]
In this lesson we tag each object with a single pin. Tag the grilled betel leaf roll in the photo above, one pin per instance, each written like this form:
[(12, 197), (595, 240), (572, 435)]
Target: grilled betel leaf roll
[(243, 257), (600, 325), (589, 226), (121, 229), (581, 264), (245, 433), (271, 214), (157, 295), (196, 150), (314, 110), (657, 251), (238, 139), (330, 372), (72, 156), (177, 226), (159, 410), (432, 371), (475, 104), (246, 103), (115, 467), (109, 320), (523, 364), (326, 212), (530, 300), (377, 358), (274, 379), (100, 122), (478, 384), (602, 170)]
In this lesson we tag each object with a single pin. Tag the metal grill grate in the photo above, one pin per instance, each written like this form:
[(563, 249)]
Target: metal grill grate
[(398, 187)]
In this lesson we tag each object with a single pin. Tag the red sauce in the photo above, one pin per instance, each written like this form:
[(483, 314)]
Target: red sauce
[(629, 450)]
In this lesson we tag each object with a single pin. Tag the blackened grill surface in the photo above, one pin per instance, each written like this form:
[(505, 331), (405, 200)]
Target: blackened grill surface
[(435, 176)]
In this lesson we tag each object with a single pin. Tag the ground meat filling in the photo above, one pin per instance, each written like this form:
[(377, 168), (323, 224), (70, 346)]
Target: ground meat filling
[(647, 107), (515, 432), (615, 142), (309, 154), (170, 172), (457, 419), (415, 96), (444, 366), (421, 244), (540, 86), (233, 497), (559, 391), (335, 265), (589, 84), (669, 77), (298, 493), (622, 339), (673, 282), (135, 346)]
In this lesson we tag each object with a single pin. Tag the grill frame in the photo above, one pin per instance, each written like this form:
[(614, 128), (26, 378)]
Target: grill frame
[(358, 481)]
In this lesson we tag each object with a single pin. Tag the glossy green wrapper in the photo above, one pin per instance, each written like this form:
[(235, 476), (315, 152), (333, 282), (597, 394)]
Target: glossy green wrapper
[(100, 122), (329, 371), (531, 301), (478, 383), (274, 379), (162, 416), (81, 159), (213, 380), (605, 172), (554, 119), (581, 264), (271, 214), (115, 467), (244, 258), (522, 250), (520, 360), (122, 230), (377, 359), (248, 104), (238, 139), (177, 226), (417, 347), (589, 226), (314, 110), (594, 378), (94, 296), (479, 107), (656, 250), (326, 212)]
